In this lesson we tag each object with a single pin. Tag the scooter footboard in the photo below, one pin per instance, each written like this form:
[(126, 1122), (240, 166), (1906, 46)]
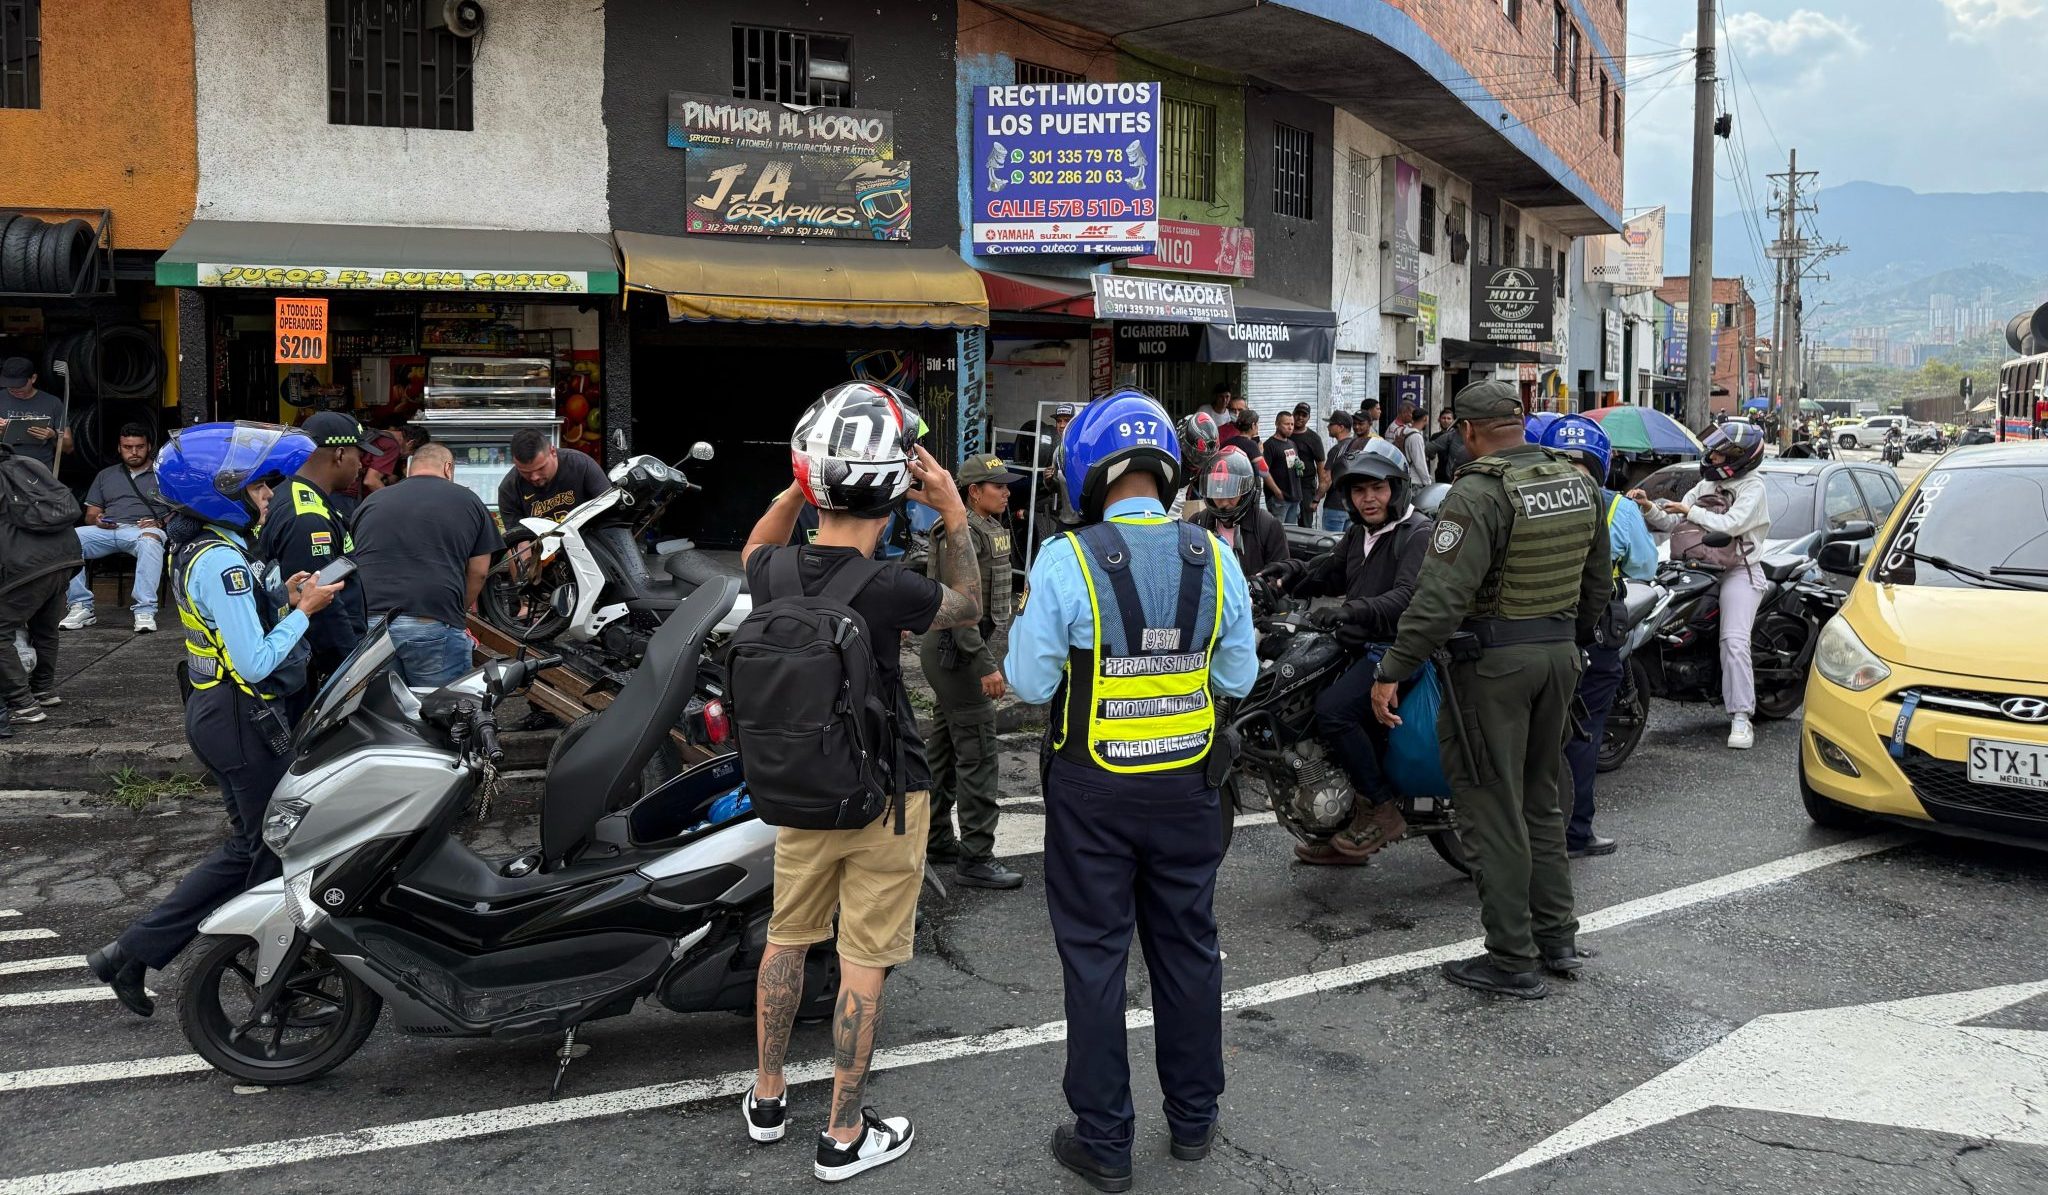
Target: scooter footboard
[(262, 913)]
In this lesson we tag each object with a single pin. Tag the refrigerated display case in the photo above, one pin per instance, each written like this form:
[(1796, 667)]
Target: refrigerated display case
[(475, 405)]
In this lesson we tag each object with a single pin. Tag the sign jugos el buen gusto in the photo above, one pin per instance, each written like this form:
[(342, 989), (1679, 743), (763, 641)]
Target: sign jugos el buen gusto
[(717, 121), (1512, 305), (798, 195)]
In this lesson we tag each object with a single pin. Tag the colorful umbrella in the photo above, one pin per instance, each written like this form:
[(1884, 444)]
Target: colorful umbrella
[(1645, 429)]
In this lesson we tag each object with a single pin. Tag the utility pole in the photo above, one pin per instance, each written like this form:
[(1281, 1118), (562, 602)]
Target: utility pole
[(1699, 331), (1790, 251)]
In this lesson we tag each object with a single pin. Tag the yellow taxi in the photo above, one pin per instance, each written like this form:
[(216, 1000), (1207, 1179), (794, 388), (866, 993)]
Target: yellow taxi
[(1928, 700)]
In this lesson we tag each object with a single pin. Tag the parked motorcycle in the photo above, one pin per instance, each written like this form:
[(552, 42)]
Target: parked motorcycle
[(1927, 440), (665, 897), (566, 585), (1282, 764), (1673, 649)]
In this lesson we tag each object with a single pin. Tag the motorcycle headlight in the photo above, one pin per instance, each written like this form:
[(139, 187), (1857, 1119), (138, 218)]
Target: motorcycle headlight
[(1842, 658), (281, 821)]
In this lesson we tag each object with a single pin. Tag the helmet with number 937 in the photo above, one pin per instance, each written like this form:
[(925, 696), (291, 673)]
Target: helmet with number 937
[(1111, 437)]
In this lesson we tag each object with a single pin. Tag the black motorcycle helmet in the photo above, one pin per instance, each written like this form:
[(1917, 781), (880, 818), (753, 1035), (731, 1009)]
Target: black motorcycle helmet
[(1739, 445), (1379, 461)]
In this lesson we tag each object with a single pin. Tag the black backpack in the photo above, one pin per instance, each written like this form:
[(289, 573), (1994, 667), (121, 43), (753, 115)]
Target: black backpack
[(817, 736), (31, 497)]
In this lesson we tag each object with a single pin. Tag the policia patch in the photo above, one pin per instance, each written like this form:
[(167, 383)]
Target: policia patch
[(1552, 496), (1445, 539)]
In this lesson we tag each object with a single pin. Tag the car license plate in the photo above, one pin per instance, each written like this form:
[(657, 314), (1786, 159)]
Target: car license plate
[(2014, 765)]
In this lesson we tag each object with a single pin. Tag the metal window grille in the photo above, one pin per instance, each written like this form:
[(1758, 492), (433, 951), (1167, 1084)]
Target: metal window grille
[(792, 67), (21, 54), (1619, 123), (1032, 72), (1187, 156), (1603, 103), (1294, 172), (1428, 239), (1482, 238), (1358, 170), (1529, 258), (1559, 280), (1510, 242), (388, 68)]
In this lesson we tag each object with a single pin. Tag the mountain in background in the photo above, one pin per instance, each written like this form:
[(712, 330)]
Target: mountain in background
[(1902, 247)]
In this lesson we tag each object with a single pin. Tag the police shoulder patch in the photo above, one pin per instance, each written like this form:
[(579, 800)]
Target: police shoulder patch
[(1448, 535), (236, 581)]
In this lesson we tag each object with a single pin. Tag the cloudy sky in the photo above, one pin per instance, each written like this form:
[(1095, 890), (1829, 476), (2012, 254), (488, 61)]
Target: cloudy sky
[(1936, 95)]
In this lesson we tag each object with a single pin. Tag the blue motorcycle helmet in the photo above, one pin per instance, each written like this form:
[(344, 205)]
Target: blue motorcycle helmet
[(1533, 426), (206, 471), (1583, 440), (1111, 436)]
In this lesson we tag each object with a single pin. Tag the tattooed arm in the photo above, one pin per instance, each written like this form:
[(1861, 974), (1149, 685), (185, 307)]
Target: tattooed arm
[(958, 572)]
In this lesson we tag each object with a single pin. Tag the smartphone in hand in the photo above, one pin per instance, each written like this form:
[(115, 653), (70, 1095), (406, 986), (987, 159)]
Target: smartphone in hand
[(340, 570)]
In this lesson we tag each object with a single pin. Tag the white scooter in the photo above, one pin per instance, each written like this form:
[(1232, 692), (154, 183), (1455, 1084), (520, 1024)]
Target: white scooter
[(572, 583)]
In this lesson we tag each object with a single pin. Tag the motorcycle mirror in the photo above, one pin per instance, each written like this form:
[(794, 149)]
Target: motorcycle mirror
[(503, 678), (1858, 529), (700, 451)]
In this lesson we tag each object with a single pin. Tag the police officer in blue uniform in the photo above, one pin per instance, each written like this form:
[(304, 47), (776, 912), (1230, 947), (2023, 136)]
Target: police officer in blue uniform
[(1131, 626), (245, 661)]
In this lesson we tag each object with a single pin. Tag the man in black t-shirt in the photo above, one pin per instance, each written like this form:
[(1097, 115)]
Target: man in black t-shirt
[(1343, 446), (1284, 463), (422, 550), (547, 483), (1313, 452)]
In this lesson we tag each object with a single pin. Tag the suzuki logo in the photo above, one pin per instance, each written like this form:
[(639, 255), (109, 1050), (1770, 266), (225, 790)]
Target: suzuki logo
[(2025, 709)]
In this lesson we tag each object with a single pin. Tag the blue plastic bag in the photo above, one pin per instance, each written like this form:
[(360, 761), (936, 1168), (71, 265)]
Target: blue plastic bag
[(1414, 765)]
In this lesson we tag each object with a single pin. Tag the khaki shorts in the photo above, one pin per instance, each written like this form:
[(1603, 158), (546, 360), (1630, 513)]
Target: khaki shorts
[(870, 876)]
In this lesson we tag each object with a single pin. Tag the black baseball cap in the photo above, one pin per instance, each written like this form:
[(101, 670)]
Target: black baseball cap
[(333, 429), (15, 372), (1339, 419)]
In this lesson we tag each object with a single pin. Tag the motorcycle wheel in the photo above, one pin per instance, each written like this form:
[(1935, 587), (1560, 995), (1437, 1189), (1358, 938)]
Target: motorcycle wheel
[(1774, 704), (1627, 719), (664, 765), (504, 594), (1451, 850), (323, 1017)]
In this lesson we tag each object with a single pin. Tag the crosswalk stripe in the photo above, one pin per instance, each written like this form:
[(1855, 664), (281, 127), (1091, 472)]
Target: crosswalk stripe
[(461, 1126), (26, 965), (26, 935), (10, 912), (56, 996), (102, 1072)]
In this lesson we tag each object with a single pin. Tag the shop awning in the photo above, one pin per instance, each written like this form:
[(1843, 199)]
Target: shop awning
[(1473, 352), (378, 257), (758, 282), (1038, 294)]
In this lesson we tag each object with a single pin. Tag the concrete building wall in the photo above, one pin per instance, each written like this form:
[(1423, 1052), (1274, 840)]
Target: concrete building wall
[(535, 159), (1360, 153), (1225, 93), (115, 128), (902, 62), (1294, 253)]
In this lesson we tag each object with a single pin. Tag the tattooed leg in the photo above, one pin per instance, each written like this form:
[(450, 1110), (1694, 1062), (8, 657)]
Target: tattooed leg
[(777, 991), (853, 1044)]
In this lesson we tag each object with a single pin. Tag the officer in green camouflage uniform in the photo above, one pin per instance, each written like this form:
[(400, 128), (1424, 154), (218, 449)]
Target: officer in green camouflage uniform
[(963, 674), (1515, 578)]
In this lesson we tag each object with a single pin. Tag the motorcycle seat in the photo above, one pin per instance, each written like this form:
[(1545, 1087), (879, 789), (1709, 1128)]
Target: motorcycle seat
[(693, 568), (1782, 568), (599, 771), (1637, 600)]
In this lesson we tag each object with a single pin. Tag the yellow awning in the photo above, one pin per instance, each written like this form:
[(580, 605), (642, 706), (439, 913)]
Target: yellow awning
[(761, 282)]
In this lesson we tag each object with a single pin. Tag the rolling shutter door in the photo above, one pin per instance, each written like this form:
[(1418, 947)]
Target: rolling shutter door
[(1274, 386)]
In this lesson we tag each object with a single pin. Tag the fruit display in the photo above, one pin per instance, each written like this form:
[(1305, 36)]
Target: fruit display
[(579, 400)]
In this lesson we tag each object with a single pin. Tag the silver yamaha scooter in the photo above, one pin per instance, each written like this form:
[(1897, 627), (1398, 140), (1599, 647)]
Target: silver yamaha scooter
[(662, 896)]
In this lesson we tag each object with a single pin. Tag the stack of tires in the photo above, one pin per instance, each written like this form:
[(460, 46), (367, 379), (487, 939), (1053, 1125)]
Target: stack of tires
[(117, 378), (46, 257)]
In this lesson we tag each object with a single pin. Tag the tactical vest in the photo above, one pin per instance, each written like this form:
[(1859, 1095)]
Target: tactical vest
[(309, 501), (206, 655), (1555, 519), (1139, 702)]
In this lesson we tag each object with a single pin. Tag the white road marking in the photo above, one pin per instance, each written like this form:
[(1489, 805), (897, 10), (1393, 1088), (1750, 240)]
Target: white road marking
[(58, 996), (26, 935), (102, 1072), (26, 965), (405, 1134), (1024, 833), (1903, 1063), (10, 912)]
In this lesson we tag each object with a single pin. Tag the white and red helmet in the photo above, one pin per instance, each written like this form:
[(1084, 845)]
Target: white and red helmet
[(851, 449)]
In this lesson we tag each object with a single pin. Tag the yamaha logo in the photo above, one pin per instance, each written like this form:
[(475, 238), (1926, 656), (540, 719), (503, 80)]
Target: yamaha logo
[(332, 898), (2025, 709)]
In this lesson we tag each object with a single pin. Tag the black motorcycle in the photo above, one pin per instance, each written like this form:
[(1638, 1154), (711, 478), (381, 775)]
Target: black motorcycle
[(1894, 448), (1673, 648), (1282, 765)]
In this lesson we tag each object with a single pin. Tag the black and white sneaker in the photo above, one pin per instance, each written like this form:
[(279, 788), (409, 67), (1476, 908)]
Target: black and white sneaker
[(880, 1142), (764, 1117)]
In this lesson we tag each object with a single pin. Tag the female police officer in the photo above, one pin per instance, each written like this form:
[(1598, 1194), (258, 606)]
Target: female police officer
[(245, 673), (1138, 621)]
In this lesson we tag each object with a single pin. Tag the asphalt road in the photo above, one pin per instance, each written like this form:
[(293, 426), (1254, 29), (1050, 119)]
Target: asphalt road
[(1689, 1058)]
